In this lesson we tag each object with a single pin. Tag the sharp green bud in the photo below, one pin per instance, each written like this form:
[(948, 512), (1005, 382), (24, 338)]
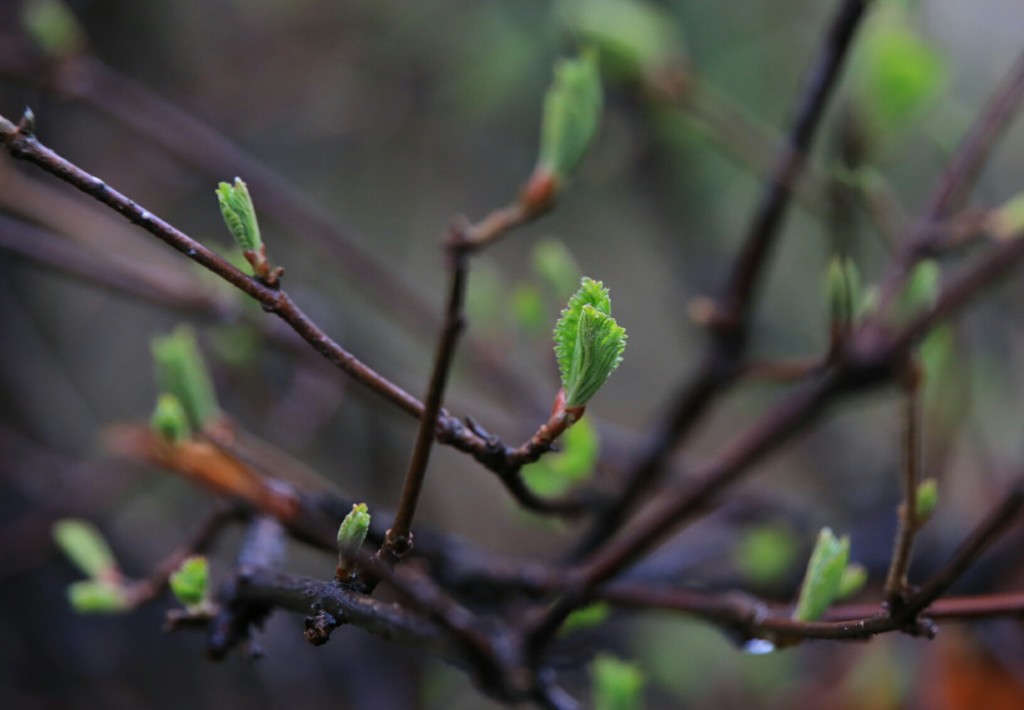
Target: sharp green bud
[(240, 214), (588, 343), (351, 534), (842, 289), (85, 546), (618, 685), (190, 582), (927, 498), (169, 420), (97, 597), (572, 111), (180, 371), (823, 577)]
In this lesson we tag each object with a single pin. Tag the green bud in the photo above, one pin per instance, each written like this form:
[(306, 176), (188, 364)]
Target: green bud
[(854, 578), (190, 582), (823, 577), (842, 290), (352, 532), (169, 420), (618, 685), (588, 343), (180, 371), (586, 617), (85, 546), (572, 111), (53, 26), (93, 596), (240, 214), (926, 499)]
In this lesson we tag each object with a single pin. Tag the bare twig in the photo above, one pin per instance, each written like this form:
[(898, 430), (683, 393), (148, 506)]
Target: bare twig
[(909, 521), (399, 538)]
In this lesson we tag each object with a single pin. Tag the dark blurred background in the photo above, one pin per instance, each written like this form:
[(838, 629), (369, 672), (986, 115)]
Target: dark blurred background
[(388, 119)]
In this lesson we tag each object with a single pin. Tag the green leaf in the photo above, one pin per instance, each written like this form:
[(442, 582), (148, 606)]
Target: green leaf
[(190, 583), (169, 419), (556, 473), (588, 342), (765, 554), (572, 111), (586, 617), (239, 214), (898, 74), (926, 499), (842, 290), (823, 577), (85, 546), (554, 264), (618, 684), (634, 37), (93, 596), (180, 371), (54, 27), (352, 532)]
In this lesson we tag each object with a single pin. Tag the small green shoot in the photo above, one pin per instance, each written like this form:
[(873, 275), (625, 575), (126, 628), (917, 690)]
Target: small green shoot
[(572, 111), (618, 684), (854, 578), (86, 547), (588, 343), (586, 617), (823, 577), (54, 27), (240, 214), (169, 420), (190, 583), (926, 499), (94, 596), (351, 535), (180, 371)]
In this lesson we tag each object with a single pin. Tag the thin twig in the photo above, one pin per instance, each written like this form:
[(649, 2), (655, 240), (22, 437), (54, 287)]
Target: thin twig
[(909, 522), (399, 538)]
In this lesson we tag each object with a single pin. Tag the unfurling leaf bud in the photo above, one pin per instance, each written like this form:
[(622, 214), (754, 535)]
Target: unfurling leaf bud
[(853, 580), (85, 546), (351, 534), (823, 577), (190, 582), (240, 214), (180, 371), (572, 111), (618, 685), (169, 420), (588, 343)]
